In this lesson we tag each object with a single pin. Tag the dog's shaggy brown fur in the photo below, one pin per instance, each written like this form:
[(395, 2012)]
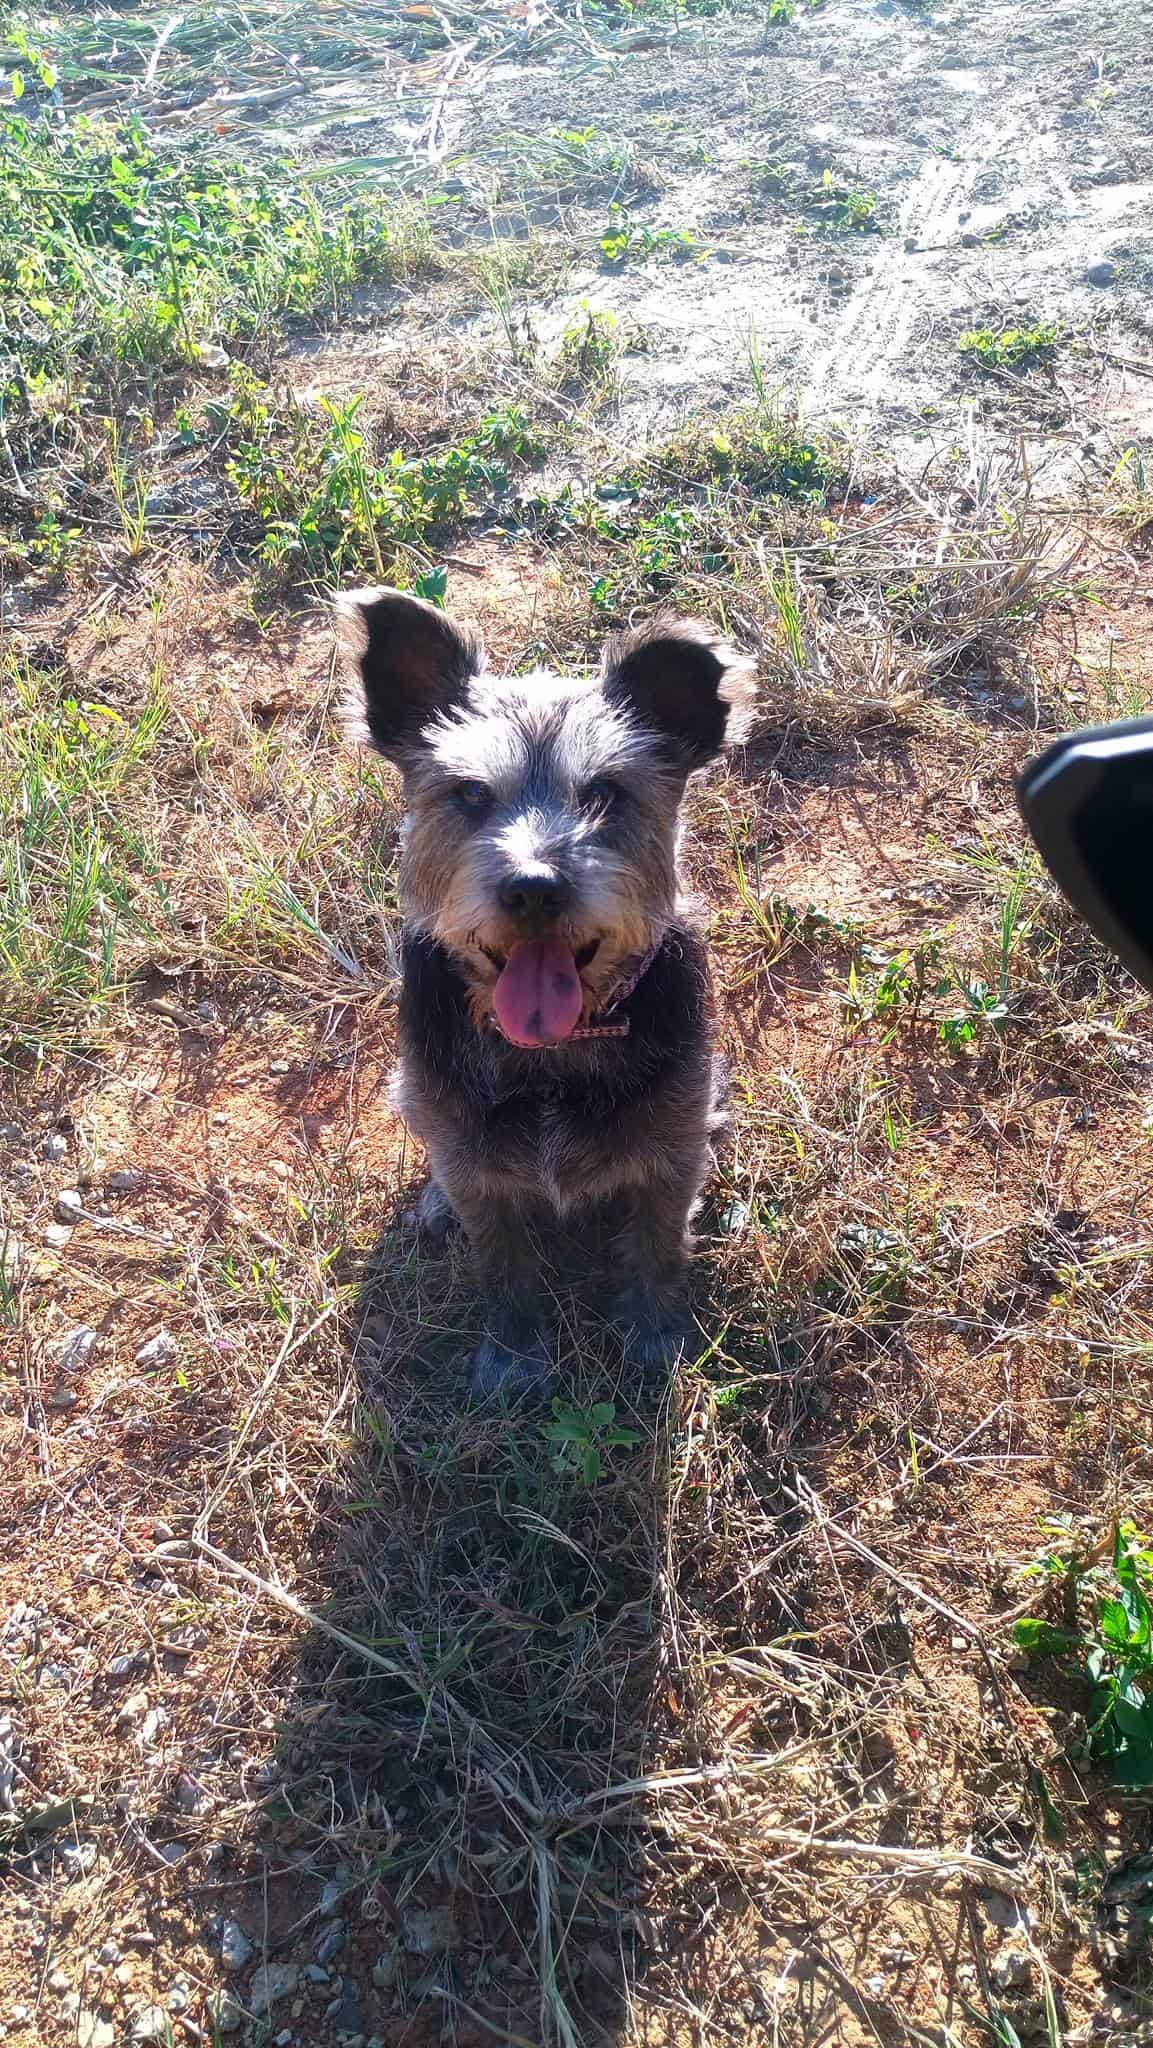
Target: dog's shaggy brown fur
[(542, 828)]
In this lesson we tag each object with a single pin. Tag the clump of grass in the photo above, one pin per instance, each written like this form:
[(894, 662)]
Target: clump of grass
[(120, 259), (82, 875), (838, 208), (589, 352), (326, 505), (763, 448), (625, 240), (1104, 1637), (1011, 348)]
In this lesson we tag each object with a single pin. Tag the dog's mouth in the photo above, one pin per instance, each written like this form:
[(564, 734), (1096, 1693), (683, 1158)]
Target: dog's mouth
[(582, 958), (537, 997)]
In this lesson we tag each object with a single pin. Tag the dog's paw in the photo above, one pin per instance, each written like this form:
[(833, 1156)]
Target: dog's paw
[(657, 1342), (434, 1220), (511, 1373)]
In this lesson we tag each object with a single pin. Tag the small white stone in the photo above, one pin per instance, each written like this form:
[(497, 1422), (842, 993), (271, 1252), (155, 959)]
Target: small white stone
[(124, 1181), (150, 2024), (77, 1858), (226, 2013), (133, 1710), (69, 1206), (58, 1983), (57, 1235), (93, 2032), (53, 1148), (73, 1352), (270, 1983), (235, 1947), (159, 1350)]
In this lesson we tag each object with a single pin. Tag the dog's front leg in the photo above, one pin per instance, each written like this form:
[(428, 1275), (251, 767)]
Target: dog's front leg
[(654, 1247), (516, 1356)]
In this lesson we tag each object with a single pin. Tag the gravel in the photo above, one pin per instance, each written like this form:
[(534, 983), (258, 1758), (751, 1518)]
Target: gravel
[(73, 1352), (76, 1859), (161, 1349), (270, 1983), (235, 1947), (331, 1942)]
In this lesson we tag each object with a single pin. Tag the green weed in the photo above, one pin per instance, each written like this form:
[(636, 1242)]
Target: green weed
[(325, 505), (1105, 1637), (118, 259), (1011, 348), (627, 241), (582, 1437), (81, 880), (839, 209)]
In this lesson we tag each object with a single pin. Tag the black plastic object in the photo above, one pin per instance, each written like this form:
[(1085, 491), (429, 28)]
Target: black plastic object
[(1088, 801)]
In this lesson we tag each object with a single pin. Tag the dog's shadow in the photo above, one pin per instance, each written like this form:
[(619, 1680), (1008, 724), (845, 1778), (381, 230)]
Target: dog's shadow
[(492, 1684)]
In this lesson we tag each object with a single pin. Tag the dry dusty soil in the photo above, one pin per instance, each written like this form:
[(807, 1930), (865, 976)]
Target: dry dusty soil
[(332, 1708)]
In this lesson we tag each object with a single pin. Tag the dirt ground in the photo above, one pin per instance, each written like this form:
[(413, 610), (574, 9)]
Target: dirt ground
[(335, 1711)]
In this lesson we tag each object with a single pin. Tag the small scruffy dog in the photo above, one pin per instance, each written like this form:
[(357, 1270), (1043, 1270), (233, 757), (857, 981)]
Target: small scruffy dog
[(556, 1049)]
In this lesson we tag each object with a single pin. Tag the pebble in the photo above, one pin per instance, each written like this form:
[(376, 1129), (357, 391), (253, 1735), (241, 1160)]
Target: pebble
[(178, 1998), (270, 1982), (235, 1947), (74, 1351), (125, 1972), (226, 2013), (431, 1932), (331, 1942), (159, 1350), (76, 1858), (69, 1206), (330, 1897), (109, 1952), (10, 1134), (129, 1664), (125, 1181), (64, 1397), (53, 1148), (384, 1970), (151, 2023), (57, 1235), (284, 2038), (162, 1532), (58, 1983), (93, 2032), (135, 1706), (1012, 1970), (1101, 273), (315, 1975)]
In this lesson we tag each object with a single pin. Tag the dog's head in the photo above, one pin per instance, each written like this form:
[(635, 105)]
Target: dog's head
[(540, 841)]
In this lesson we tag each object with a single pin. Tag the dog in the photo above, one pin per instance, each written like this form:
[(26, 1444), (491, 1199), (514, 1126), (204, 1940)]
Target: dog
[(555, 1035)]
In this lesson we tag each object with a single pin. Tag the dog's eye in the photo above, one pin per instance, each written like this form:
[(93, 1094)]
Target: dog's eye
[(601, 795), (473, 797)]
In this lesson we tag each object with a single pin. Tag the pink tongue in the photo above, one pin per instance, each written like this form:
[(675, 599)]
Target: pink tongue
[(538, 997)]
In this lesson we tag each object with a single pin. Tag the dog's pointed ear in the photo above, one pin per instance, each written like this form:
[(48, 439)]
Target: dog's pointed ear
[(684, 683), (408, 664)]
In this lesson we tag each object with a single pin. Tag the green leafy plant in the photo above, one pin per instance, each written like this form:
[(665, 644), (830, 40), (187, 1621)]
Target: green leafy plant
[(583, 1435), (1011, 348), (839, 209), (1106, 1637), (627, 241)]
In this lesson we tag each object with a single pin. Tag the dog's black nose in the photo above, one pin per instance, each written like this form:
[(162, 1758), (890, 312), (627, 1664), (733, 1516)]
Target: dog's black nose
[(544, 895)]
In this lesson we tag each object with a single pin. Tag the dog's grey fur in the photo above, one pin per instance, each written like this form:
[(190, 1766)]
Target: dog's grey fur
[(579, 780)]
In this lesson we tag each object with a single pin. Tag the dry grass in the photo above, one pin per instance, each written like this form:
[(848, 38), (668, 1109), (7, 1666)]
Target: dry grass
[(719, 1737)]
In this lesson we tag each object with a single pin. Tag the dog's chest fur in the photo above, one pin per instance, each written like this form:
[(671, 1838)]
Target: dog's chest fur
[(573, 1123)]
